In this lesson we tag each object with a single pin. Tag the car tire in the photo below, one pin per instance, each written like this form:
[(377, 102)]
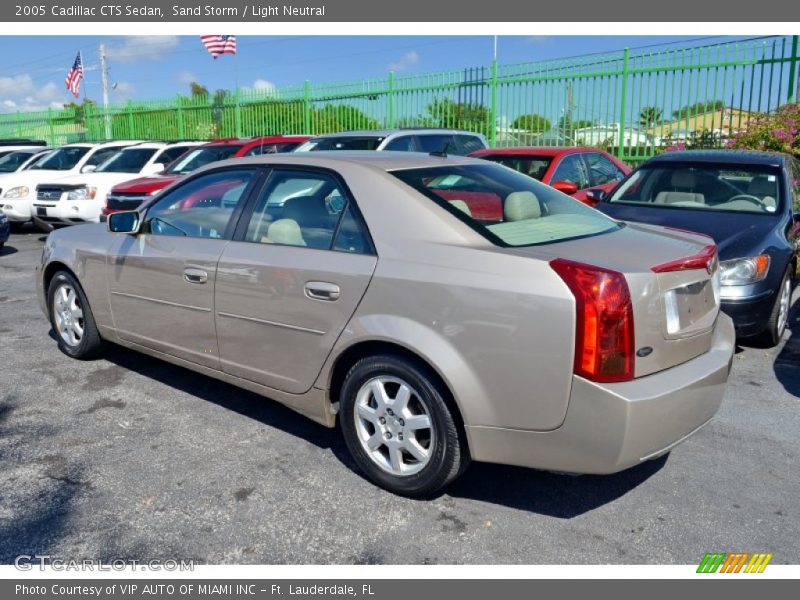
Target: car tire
[(385, 403), (72, 318), (779, 317)]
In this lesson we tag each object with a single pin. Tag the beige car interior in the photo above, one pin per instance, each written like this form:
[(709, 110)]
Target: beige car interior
[(682, 183)]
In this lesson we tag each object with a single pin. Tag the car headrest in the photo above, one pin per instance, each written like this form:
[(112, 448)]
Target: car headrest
[(285, 231), (521, 205), (684, 179)]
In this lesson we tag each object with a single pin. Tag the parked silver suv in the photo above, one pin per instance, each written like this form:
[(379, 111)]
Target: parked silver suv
[(447, 141)]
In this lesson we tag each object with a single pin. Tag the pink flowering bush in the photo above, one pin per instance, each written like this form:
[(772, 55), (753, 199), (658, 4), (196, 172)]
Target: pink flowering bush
[(778, 131)]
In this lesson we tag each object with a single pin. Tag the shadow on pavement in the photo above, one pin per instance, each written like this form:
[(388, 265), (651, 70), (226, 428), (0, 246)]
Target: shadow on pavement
[(7, 250)]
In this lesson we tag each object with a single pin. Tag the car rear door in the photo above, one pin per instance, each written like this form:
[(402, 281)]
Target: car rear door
[(291, 279), (161, 281)]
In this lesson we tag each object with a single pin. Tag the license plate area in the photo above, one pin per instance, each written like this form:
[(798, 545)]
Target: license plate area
[(41, 211)]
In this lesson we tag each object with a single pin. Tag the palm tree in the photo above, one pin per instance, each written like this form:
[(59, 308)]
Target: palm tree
[(650, 116)]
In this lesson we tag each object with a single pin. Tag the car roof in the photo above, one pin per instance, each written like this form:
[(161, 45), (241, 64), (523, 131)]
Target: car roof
[(382, 133), (266, 139), (551, 151), (743, 157), (385, 161)]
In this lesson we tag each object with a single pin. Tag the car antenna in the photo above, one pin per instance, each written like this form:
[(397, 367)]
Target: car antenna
[(443, 152)]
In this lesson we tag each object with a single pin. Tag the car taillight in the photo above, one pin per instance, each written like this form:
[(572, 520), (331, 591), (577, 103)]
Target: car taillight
[(604, 321), (702, 260)]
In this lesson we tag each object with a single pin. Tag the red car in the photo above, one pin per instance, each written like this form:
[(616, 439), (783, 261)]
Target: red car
[(129, 195), (572, 170)]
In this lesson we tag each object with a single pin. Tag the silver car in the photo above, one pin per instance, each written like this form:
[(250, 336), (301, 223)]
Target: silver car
[(439, 309)]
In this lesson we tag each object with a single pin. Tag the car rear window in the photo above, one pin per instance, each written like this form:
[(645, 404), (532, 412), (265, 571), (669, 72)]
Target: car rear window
[(720, 187), (532, 166), (360, 142), (506, 207)]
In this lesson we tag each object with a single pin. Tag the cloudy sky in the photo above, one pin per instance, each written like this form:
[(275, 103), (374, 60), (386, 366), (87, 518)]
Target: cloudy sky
[(147, 67)]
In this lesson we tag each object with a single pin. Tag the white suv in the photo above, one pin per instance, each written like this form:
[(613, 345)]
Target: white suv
[(428, 140), (18, 190), (80, 198)]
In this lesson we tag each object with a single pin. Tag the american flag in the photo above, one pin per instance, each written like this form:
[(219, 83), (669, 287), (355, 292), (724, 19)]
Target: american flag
[(219, 44), (75, 75)]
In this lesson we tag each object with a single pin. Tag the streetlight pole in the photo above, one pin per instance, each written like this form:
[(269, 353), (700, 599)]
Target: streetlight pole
[(104, 79)]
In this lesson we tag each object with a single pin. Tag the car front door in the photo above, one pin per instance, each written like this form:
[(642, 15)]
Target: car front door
[(572, 169), (603, 173), (161, 281), (291, 279)]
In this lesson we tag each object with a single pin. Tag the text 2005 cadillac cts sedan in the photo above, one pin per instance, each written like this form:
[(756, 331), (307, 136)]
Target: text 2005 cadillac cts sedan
[(441, 309)]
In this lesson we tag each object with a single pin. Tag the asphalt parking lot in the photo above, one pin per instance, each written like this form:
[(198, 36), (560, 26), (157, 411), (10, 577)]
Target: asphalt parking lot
[(129, 458)]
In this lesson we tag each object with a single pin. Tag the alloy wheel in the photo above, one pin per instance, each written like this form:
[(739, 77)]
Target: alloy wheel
[(68, 314)]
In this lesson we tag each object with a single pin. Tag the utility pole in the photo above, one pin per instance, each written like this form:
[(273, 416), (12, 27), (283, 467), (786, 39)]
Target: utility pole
[(104, 79)]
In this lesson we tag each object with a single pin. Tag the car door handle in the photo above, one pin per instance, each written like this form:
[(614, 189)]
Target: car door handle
[(195, 275), (322, 290)]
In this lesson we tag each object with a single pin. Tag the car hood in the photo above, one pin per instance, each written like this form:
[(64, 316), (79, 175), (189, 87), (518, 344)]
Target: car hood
[(32, 178), (736, 234), (145, 185), (101, 180)]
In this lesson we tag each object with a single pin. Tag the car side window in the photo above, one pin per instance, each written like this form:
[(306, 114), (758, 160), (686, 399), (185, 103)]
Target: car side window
[(102, 155), (403, 143), (602, 170), (572, 169), (170, 154), (436, 142), (468, 143), (298, 208), (202, 208)]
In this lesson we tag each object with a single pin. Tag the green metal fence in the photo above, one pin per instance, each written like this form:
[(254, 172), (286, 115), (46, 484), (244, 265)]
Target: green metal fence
[(632, 102)]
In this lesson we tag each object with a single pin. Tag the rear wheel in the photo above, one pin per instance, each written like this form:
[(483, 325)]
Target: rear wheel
[(72, 318), (398, 426), (779, 317)]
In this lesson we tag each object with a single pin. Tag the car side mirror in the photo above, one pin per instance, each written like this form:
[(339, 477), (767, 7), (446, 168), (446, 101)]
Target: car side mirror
[(88, 168), (154, 169), (127, 221), (594, 196), (566, 187)]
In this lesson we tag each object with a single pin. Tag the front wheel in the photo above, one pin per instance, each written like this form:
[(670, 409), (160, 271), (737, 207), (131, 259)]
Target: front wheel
[(71, 317), (779, 317), (398, 426)]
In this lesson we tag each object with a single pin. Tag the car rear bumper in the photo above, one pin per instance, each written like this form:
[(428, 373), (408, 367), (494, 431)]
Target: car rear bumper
[(750, 314), (610, 427)]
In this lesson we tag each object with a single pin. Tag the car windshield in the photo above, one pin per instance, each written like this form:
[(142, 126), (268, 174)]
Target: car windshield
[(200, 157), (12, 161), (63, 159), (360, 142), (710, 187), (532, 166), (127, 161), (506, 207)]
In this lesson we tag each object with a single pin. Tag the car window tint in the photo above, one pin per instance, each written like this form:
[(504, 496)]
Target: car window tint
[(298, 208), (571, 169), (468, 143), (703, 186), (404, 143), (202, 207), (532, 166), (437, 142), (351, 236), (602, 170), (103, 155), (170, 154)]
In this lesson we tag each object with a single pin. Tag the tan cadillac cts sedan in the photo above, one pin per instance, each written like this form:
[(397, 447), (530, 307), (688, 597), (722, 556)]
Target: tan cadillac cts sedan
[(441, 309)]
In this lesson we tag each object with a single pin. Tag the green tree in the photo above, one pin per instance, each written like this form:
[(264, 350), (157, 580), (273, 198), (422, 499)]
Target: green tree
[(698, 108), (340, 117), (198, 90), (531, 122), (461, 115), (650, 116)]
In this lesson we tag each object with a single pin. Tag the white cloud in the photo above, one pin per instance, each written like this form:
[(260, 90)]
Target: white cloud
[(263, 84), (187, 77), (142, 47), (16, 85), (20, 92), (408, 60)]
